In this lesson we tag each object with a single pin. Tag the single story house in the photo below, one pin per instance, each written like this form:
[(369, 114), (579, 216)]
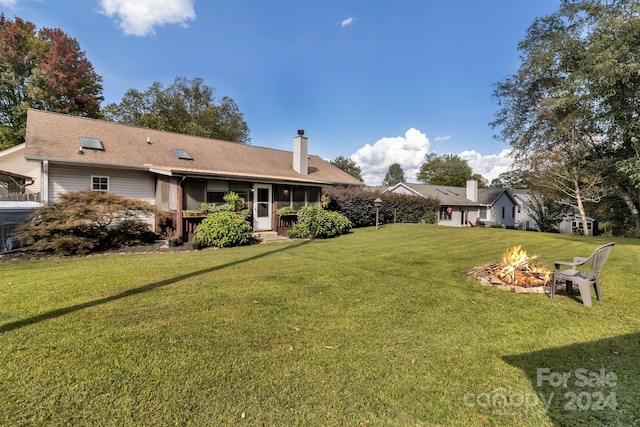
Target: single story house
[(524, 219), (572, 223), (65, 153), (465, 206)]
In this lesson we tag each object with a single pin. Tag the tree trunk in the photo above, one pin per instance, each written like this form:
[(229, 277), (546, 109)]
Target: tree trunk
[(583, 214), (632, 208)]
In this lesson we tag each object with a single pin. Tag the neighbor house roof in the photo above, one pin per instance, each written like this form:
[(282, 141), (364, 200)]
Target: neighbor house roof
[(452, 196), (56, 137)]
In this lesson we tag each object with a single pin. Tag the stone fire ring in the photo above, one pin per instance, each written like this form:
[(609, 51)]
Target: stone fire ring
[(494, 282)]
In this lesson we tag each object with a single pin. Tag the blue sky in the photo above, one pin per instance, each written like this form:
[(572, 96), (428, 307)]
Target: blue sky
[(377, 81)]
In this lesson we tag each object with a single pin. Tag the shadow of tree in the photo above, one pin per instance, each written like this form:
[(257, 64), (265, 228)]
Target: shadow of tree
[(135, 291), (587, 384)]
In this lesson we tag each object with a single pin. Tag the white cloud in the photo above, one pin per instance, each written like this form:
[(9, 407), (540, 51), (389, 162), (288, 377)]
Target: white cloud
[(346, 22), (138, 17), (408, 150), (8, 3), (442, 138), (489, 166)]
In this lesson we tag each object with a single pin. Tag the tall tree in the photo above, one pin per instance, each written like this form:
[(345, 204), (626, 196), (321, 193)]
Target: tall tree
[(513, 179), (568, 178), (577, 89), (43, 69), (348, 165), (394, 175), (446, 169), (187, 106), (546, 212)]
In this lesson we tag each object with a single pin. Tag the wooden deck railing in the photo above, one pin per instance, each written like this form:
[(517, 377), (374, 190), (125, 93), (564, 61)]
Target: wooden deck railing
[(285, 223)]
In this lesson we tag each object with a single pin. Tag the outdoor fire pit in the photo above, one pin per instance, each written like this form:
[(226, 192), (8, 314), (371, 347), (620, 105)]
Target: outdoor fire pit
[(516, 273)]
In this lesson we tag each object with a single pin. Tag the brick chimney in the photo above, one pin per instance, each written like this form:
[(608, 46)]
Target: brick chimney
[(472, 190), (301, 153)]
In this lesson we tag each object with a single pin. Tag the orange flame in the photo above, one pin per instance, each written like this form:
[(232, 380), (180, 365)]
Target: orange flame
[(516, 260), (517, 256)]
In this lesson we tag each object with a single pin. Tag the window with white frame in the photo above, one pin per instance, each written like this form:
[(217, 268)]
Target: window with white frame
[(100, 183), (483, 212)]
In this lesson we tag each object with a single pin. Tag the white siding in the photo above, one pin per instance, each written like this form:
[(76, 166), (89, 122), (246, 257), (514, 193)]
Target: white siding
[(403, 190), (15, 162), (508, 219), (473, 215), (126, 183), (523, 218)]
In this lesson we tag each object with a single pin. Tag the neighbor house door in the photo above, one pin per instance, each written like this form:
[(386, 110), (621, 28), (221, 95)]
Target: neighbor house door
[(262, 215)]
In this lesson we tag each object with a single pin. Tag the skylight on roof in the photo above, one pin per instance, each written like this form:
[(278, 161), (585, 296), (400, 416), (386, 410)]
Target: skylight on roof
[(182, 153), (91, 143)]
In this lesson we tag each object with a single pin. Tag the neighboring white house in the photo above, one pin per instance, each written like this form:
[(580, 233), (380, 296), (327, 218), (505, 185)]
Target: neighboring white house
[(572, 223), (466, 206), (524, 220)]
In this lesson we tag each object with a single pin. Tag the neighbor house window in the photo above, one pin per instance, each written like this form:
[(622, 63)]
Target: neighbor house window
[(503, 212), (578, 225), (100, 183), (445, 213), (483, 212), (513, 212)]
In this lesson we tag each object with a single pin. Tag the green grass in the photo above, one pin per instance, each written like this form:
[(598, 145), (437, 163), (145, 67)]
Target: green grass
[(380, 328)]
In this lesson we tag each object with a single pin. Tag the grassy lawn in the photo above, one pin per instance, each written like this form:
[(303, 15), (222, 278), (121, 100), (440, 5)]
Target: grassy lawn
[(381, 328)]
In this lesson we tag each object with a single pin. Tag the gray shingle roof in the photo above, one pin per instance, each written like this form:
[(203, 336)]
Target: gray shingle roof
[(457, 196)]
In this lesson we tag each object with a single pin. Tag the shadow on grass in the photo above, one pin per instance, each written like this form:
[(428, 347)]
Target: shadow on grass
[(595, 383), (135, 291)]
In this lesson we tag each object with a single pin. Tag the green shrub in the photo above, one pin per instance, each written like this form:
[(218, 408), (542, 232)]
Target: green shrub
[(87, 221), (236, 203), (285, 210), (223, 229), (212, 208), (357, 205), (314, 222)]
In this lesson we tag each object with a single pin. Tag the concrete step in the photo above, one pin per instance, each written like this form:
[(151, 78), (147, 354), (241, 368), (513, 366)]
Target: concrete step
[(269, 236)]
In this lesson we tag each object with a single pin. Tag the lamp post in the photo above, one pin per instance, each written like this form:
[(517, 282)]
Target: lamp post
[(378, 204)]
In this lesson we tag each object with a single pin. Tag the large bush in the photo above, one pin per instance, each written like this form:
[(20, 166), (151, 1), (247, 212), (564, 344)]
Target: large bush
[(87, 221), (317, 223), (223, 229), (357, 205)]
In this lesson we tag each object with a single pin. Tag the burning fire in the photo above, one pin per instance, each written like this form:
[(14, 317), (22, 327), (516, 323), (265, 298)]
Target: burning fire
[(515, 269)]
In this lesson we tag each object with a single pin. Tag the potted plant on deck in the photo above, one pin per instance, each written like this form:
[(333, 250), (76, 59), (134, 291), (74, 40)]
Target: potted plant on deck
[(286, 210)]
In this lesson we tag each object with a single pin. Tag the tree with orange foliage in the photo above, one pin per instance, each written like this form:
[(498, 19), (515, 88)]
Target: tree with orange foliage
[(42, 69)]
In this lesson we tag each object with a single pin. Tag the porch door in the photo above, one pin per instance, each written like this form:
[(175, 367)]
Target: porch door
[(262, 198)]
